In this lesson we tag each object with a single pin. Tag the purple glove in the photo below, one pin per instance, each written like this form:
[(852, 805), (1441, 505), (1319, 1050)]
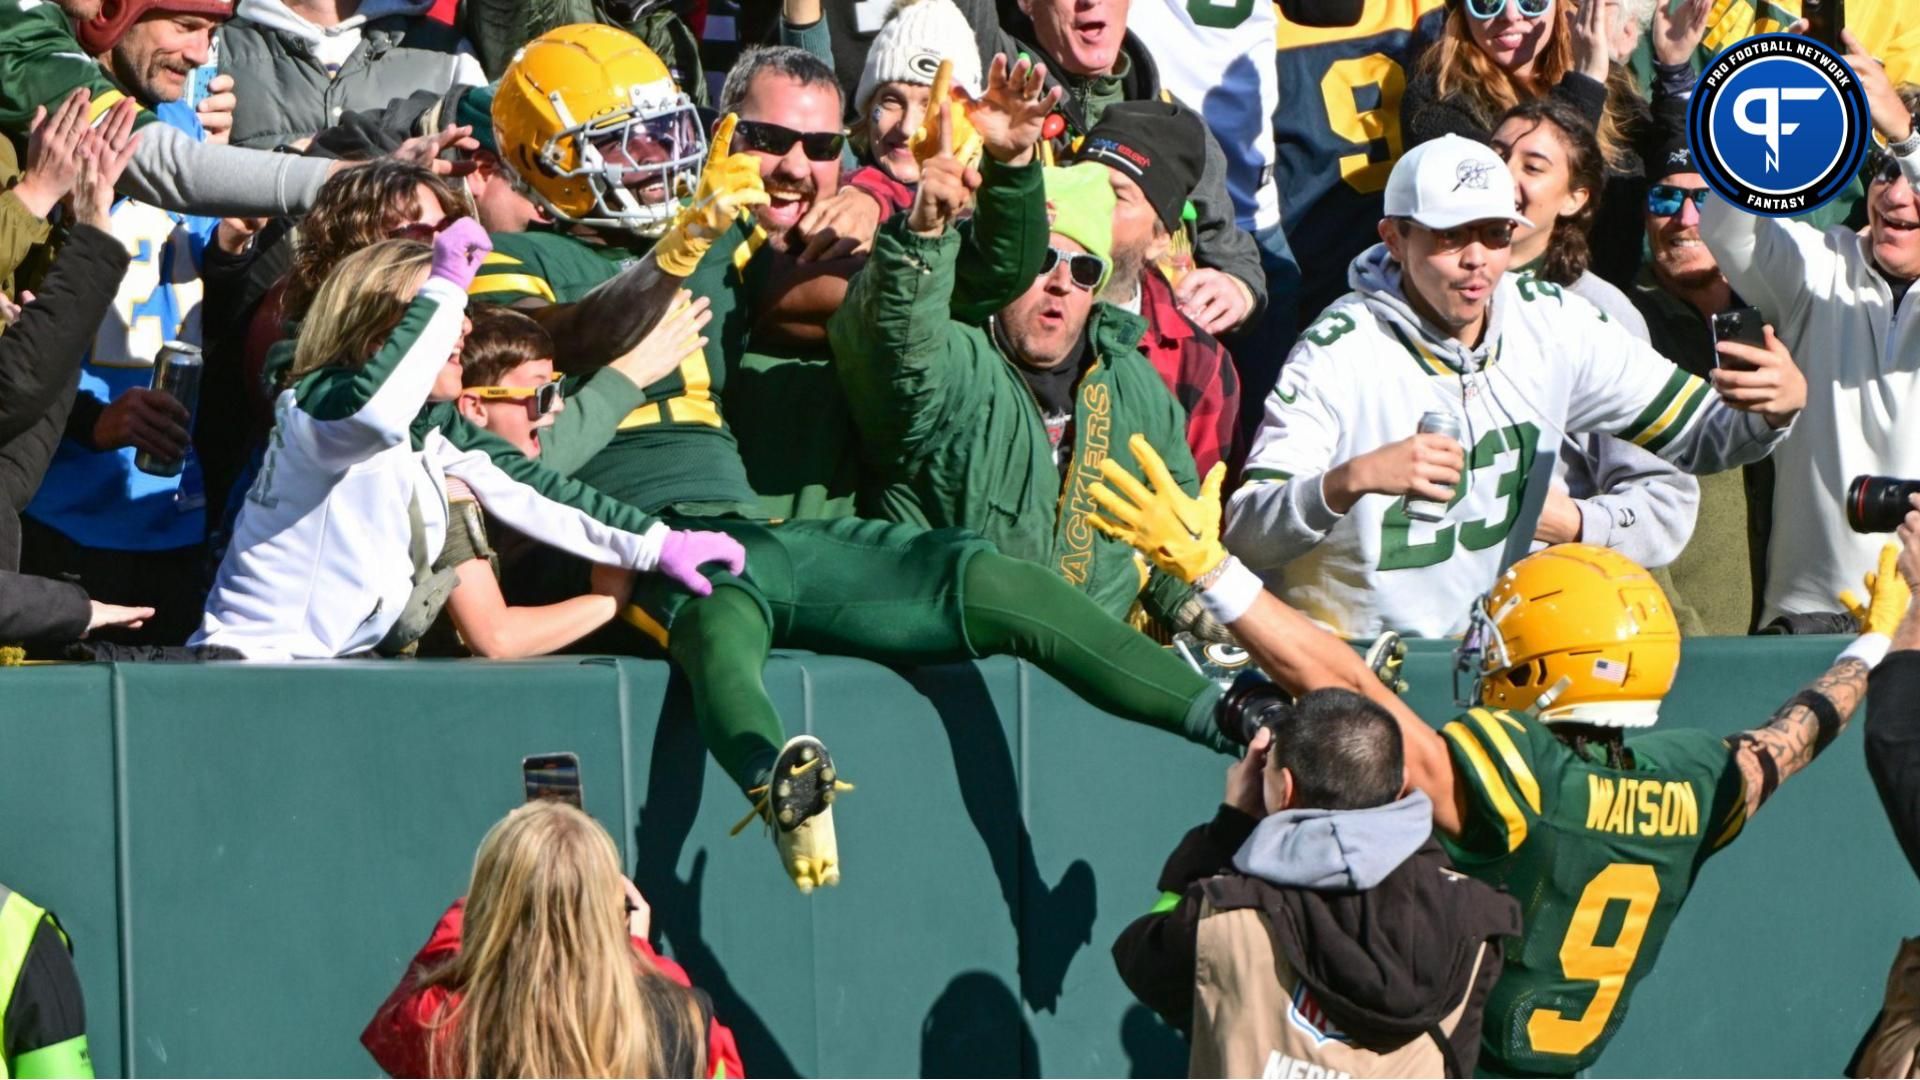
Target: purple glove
[(684, 553), (458, 251)]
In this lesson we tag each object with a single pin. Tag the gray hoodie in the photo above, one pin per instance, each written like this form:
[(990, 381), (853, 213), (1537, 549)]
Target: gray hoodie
[(1336, 850)]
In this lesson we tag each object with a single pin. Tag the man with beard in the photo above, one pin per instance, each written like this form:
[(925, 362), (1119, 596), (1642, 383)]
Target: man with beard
[(1330, 514), (1841, 302), (1679, 291), (1153, 153), (124, 534), (601, 148)]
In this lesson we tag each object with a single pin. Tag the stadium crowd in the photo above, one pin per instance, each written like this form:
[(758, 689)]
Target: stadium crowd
[(1059, 329)]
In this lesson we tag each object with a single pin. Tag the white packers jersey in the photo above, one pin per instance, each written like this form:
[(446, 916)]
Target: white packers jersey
[(1551, 365), (1216, 57), (323, 555)]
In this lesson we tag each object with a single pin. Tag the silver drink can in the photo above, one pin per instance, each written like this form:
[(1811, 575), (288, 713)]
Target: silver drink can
[(176, 372), (1437, 422)]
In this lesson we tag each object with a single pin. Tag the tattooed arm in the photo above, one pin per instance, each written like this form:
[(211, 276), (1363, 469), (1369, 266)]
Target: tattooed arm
[(1799, 730)]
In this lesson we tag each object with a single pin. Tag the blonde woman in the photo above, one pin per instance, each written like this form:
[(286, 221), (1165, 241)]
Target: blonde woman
[(332, 552), (544, 970)]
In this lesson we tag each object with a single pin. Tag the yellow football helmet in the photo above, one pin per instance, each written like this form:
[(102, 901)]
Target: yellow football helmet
[(590, 121), (1578, 633)]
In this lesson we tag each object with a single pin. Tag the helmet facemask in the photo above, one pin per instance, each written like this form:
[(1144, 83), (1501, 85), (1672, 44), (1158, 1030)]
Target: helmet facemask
[(640, 161)]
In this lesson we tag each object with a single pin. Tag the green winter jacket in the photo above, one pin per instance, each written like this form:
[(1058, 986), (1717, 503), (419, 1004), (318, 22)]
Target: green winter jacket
[(958, 439)]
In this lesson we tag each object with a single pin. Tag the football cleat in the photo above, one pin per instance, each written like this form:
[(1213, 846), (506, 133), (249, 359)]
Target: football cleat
[(1385, 657), (796, 803)]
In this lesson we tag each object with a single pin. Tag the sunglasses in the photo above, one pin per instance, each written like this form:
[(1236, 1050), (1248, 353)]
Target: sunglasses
[(540, 400), (419, 230), (1665, 200), (1085, 270), (777, 140), (1489, 234), (1882, 168), (1486, 10)]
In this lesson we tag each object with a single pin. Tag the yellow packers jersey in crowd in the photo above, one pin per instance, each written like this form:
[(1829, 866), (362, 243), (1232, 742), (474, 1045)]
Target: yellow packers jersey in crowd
[(1337, 132), (1599, 858)]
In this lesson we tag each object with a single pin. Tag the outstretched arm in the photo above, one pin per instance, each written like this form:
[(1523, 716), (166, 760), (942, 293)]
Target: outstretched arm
[(1181, 534), (1810, 720)]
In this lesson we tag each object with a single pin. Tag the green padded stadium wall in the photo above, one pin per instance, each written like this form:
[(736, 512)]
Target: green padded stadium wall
[(247, 856)]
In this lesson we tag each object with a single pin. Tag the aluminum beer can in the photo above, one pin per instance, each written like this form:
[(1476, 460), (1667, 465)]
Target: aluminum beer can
[(1437, 422), (176, 372)]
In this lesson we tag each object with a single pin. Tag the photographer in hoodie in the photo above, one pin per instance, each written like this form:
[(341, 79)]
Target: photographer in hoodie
[(1314, 927)]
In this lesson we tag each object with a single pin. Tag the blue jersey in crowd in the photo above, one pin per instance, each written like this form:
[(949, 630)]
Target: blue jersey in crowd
[(1337, 132), (99, 499)]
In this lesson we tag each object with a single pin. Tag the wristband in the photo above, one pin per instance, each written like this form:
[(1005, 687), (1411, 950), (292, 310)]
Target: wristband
[(1232, 593), (1869, 649), (1907, 146)]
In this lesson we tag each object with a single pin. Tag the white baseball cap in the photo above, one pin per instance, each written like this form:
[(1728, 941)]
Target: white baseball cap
[(1449, 182)]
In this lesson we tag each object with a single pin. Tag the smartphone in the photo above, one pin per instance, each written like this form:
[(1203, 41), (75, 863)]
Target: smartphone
[(552, 776), (1743, 325), (1825, 20)]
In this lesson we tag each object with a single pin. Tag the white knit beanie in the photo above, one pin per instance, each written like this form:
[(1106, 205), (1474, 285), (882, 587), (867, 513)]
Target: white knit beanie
[(917, 35)]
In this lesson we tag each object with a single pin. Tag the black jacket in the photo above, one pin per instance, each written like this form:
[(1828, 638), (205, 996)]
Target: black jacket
[(41, 609), (1387, 963), (40, 358), (1893, 745)]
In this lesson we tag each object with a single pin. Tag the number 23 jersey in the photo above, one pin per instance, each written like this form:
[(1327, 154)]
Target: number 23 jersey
[(1600, 860), (1362, 376)]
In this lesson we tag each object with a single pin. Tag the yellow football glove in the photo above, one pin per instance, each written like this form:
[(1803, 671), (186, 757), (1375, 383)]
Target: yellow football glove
[(729, 184), (1887, 596), (925, 143), (1179, 532)]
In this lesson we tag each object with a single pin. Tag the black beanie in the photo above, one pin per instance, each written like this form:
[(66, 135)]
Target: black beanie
[(1665, 154), (1158, 145)]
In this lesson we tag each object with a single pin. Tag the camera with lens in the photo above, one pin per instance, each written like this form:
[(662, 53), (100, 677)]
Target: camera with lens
[(1249, 703), (1878, 504)]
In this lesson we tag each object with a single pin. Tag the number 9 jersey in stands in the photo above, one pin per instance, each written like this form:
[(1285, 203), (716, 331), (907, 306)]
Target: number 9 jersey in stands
[(1600, 858), (1337, 128), (1549, 364)]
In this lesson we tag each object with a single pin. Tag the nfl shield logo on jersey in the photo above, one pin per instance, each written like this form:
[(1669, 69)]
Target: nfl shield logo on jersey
[(1305, 1013)]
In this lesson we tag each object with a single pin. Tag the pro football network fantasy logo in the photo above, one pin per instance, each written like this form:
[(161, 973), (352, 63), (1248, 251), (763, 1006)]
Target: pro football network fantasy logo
[(1778, 124)]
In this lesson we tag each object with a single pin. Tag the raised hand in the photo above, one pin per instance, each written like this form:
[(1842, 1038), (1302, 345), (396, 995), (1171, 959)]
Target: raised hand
[(425, 150), (109, 146), (1591, 53), (1677, 34), (675, 337), (1890, 116), (948, 105), (1179, 532), (1887, 595), (947, 185), (730, 184), (54, 153), (1010, 114), (458, 251)]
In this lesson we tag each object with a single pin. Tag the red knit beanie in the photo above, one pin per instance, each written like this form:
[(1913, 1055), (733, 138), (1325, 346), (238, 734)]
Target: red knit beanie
[(103, 32)]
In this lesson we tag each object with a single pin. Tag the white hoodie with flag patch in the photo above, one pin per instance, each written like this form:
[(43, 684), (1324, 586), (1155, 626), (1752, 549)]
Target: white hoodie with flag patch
[(1550, 365)]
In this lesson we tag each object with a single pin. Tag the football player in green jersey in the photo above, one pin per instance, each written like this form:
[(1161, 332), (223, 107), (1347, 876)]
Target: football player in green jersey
[(1536, 788), (598, 140)]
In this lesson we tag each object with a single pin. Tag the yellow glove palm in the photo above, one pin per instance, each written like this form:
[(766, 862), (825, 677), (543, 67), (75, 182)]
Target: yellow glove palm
[(925, 143), (729, 184), (1179, 532), (1887, 596)]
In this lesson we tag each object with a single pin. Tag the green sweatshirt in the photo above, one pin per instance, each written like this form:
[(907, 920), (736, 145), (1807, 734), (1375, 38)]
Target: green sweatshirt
[(954, 431)]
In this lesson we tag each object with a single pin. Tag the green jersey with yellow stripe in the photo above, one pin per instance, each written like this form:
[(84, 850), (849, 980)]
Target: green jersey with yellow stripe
[(41, 62), (676, 446), (1600, 859)]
